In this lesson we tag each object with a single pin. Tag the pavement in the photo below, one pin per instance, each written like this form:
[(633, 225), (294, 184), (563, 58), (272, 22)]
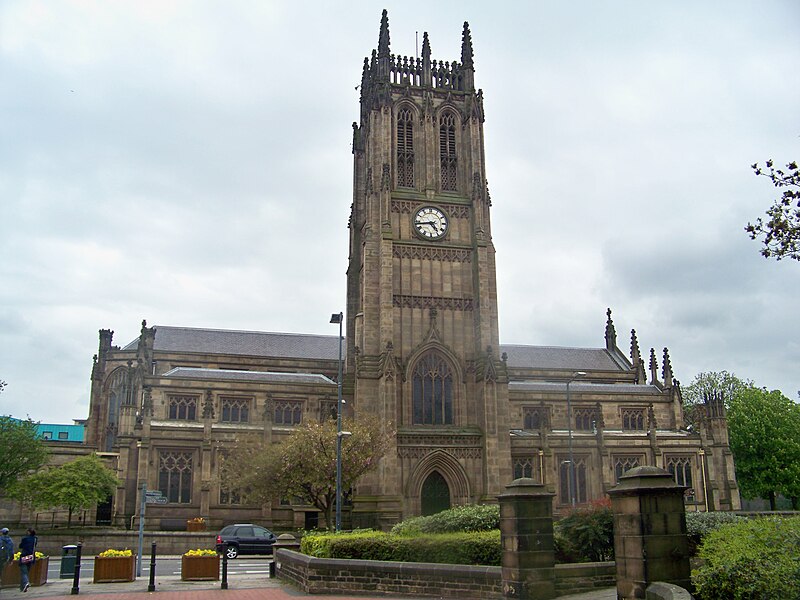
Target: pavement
[(240, 586)]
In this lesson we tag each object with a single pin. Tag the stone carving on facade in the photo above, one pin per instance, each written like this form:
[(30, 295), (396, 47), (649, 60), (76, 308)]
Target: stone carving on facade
[(208, 405), (409, 301), (458, 255), (454, 211)]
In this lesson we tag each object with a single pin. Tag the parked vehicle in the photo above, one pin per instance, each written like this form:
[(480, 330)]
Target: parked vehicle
[(245, 538)]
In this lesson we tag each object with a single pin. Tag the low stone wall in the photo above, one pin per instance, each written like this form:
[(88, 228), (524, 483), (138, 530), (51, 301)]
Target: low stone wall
[(172, 542), (585, 577), (338, 576)]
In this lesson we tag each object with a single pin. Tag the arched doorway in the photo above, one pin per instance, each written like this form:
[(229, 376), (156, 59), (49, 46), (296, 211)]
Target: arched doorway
[(435, 496)]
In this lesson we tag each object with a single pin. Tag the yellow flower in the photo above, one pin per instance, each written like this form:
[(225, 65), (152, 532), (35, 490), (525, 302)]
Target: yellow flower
[(115, 553), (201, 552)]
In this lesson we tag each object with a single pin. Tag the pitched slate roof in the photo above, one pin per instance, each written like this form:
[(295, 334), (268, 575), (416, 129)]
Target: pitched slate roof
[(326, 347), (231, 375), (244, 343), (600, 388), (553, 357)]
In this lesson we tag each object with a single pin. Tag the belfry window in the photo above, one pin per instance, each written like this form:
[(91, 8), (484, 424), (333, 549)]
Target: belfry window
[(432, 391), (447, 151), (405, 148)]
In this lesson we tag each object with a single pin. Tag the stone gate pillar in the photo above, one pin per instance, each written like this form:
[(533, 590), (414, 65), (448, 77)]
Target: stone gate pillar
[(526, 529), (650, 542)]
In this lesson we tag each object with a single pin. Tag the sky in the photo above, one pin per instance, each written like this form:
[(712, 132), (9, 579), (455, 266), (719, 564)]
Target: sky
[(189, 163)]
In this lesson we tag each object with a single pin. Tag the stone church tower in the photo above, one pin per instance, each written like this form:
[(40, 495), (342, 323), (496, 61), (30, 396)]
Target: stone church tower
[(422, 331)]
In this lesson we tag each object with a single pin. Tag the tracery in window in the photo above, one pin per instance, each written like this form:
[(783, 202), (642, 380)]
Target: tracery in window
[(581, 494), (527, 467), (680, 467), (585, 419), (447, 151), (175, 475), (432, 391), (405, 148), (633, 419), (624, 463), (235, 410), (534, 417), (183, 408), (288, 412)]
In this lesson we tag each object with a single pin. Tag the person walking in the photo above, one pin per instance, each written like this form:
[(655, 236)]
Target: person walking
[(6, 551), (27, 557)]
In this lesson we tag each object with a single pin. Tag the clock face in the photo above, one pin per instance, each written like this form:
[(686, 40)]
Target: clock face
[(430, 223)]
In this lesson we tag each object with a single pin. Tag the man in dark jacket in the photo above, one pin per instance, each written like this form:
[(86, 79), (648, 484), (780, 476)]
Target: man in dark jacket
[(6, 550)]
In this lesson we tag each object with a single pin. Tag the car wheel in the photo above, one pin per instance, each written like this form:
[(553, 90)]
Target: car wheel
[(232, 551)]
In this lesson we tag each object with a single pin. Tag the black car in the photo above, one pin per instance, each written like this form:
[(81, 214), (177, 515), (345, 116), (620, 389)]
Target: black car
[(245, 538)]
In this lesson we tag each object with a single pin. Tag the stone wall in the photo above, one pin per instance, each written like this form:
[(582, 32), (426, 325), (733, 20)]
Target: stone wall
[(339, 576)]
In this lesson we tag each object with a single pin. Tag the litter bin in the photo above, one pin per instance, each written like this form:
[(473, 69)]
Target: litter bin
[(69, 554)]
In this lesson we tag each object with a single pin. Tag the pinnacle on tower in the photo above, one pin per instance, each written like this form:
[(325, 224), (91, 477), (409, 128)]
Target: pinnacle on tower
[(611, 332), (383, 36), (466, 48)]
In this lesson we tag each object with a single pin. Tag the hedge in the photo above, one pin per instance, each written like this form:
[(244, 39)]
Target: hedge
[(473, 548), (755, 558)]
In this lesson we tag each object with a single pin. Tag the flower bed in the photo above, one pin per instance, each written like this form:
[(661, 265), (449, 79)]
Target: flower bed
[(37, 574), (196, 524), (200, 565), (113, 566)]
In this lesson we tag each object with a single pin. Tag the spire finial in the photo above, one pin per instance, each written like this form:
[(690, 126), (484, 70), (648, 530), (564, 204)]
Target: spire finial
[(426, 46), (383, 37), (611, 332), (667, 369), (653, 367), (466, 48), (636, 355)]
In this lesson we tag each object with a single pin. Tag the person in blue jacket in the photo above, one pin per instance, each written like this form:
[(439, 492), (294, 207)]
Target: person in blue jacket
[(6, 550), (27, 547)]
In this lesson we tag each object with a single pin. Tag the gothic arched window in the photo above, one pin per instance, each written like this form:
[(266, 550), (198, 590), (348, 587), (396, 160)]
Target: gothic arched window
[(432, 391), (447, 151), (405, 148)]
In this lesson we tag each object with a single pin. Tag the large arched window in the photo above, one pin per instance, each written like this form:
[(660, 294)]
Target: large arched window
[(405, 148), (432, 391), (447, 151)]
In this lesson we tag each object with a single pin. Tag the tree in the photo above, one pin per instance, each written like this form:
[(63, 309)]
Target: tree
[(782, 231), (764, 430), (304, 466), (76, 485), (21, 451)]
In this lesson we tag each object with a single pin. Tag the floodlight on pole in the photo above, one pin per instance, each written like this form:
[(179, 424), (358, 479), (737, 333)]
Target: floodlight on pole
[(572, 484), (339, 318)]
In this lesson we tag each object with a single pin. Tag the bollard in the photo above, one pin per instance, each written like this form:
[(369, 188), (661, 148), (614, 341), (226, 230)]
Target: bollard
[(151, 587), (272, 567), (224, 584), (77, 579)]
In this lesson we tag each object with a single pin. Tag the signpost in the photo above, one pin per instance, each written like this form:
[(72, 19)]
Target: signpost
[(148, 497)]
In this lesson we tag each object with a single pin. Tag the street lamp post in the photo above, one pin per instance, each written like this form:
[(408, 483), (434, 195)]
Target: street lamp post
[(572, 482), (339, 318)]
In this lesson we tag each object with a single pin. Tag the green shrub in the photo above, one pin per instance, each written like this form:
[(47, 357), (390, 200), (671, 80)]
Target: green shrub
[(474, 548), (754, 558), (586, 534), (700, 524), (470, 517)]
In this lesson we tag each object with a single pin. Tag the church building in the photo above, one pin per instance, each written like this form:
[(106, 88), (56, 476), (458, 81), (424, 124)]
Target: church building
[(422, 351)]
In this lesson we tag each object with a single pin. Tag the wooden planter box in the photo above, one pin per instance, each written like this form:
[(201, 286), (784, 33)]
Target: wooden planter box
[(190, 526), (199, 568), (113, 569), (37, 574)]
